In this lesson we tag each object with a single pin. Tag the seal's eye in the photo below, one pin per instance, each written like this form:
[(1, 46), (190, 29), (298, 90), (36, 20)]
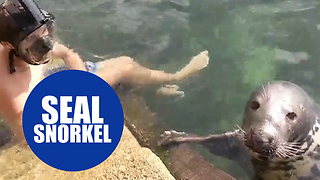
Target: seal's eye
[(291, 115), (255, 105)]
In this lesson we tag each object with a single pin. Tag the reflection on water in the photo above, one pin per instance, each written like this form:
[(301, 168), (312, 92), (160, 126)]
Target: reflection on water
[(249, 41)]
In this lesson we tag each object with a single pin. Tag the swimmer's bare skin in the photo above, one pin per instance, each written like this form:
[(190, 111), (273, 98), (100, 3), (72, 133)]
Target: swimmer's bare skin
[(14, 90), (16, 87), (125, 69), (170, 90)]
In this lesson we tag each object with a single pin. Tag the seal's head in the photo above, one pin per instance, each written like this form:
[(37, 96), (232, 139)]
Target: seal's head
[(278, 118)]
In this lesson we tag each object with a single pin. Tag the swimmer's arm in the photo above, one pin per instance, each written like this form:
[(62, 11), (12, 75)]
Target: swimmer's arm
[(73, 60)]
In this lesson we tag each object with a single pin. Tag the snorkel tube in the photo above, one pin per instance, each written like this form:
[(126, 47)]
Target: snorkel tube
[(24, 16)]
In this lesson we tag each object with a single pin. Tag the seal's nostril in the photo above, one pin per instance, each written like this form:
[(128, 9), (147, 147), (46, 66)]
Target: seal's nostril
[(270, 139)]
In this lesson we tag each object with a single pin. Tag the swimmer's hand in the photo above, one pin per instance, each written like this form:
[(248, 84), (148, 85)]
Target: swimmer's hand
[(71, 58), (59, 51)]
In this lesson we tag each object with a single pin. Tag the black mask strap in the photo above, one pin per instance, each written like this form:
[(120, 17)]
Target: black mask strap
[(12, 53)]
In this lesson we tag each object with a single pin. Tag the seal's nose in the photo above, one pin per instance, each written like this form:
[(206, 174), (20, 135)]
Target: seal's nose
[(255, 142)]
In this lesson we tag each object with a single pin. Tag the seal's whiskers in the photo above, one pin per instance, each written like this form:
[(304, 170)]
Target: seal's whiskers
[(240, 129), (289, 150), (264, 93)]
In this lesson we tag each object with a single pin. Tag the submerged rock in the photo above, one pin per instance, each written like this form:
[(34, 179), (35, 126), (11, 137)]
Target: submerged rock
[(291, 57)]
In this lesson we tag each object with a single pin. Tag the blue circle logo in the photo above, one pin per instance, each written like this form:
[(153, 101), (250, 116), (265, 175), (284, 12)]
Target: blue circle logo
[(73, 120)]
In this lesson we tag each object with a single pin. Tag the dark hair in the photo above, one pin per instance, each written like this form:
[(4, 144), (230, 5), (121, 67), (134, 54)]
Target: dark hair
[(7, 32)]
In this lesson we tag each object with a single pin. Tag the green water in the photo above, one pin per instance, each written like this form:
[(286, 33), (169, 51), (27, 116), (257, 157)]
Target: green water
[(245, 39)]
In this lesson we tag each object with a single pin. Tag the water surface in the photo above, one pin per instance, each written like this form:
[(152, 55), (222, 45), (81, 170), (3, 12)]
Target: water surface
[(250, 42)]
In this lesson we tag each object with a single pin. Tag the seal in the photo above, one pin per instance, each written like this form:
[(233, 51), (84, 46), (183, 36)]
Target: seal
[(279, 137)]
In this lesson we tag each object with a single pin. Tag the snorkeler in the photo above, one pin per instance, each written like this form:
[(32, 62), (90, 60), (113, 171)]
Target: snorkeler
[(27, 44)]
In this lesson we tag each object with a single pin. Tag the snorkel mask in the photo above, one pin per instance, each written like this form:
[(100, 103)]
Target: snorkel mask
[(29, 20)]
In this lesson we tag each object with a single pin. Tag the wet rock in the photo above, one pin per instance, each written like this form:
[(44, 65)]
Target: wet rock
[(20, 163), (5, 134)]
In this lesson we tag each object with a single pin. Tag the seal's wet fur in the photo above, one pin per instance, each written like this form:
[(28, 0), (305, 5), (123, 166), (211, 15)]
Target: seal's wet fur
[(279, 134)]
